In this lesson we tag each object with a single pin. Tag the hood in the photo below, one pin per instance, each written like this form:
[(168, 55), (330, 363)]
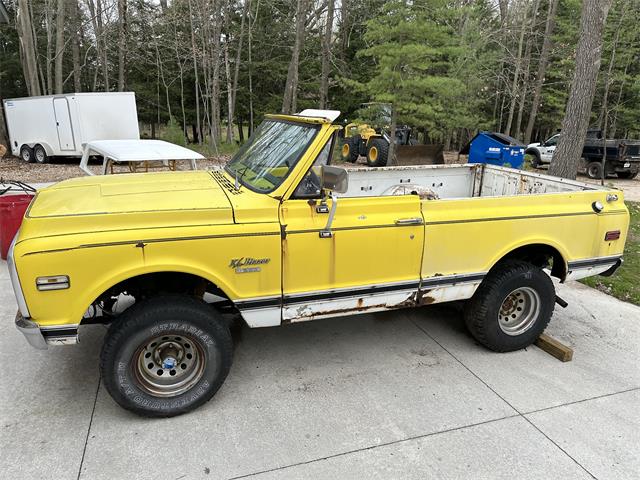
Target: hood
[(537, 144), (125, 201)]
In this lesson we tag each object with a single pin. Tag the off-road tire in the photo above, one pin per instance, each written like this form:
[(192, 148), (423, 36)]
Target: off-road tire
[(627, 175), (40, 154), (352, 143), (175, 317), (382, 147), (26, 154), (594, 170), (482, 311)]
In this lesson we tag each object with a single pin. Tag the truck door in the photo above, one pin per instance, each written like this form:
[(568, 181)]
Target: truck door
[(63, 124), (547, 149), (370, 262)]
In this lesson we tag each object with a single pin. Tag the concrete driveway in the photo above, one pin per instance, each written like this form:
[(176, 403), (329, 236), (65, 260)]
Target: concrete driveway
[(404, 394)]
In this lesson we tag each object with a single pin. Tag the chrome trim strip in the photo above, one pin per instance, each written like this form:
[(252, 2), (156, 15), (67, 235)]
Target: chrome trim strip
[(594, 261), (15, 280)]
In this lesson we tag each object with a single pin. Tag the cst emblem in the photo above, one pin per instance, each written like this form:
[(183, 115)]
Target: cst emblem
[(247, 264)]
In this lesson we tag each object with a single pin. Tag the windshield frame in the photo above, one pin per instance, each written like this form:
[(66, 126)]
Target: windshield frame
[(295, 163)]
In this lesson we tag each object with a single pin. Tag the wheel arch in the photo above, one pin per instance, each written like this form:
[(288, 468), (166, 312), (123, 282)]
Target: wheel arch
[(540, 254), (175, 280)]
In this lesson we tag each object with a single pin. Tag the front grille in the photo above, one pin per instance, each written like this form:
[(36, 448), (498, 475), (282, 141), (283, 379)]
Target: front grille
[(224, 182)]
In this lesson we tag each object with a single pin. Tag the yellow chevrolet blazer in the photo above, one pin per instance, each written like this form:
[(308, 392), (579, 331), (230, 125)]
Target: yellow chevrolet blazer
[(280, 236)]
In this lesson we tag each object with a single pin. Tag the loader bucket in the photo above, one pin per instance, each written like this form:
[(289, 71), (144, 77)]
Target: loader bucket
[(419, 154)]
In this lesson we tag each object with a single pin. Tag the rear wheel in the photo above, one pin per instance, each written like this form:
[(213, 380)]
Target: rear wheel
[(40, 154), (26, 154), (512, 306), (166, 356), (377, 153), (594, 170)]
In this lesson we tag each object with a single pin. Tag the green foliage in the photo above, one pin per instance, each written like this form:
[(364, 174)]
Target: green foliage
[(414, 49), (173, 133)]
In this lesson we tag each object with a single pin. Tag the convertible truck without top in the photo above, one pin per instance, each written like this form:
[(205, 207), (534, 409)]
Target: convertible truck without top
[(279, 236)]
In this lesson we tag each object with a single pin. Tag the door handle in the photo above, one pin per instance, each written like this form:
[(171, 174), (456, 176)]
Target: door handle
[(409, 221)]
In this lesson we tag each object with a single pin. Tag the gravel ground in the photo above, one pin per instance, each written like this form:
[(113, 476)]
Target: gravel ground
[(12, 168)]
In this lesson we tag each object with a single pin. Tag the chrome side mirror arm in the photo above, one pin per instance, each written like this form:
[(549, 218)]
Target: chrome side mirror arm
[(326, 231)]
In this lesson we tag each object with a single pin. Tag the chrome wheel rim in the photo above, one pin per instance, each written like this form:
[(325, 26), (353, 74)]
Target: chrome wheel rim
[(40, 156), (26, 155), (519, 311), (168, 365)]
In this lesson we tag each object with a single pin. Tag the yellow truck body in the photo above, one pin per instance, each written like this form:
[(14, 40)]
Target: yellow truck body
[(386, 251)]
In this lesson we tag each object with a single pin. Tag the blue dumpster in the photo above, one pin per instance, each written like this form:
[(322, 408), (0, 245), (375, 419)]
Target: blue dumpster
[(495, 149)]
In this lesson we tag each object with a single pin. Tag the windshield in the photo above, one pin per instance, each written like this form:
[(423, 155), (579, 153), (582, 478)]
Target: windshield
[(273, 150)]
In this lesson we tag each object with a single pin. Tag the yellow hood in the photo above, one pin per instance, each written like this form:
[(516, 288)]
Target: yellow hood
[(110, 202)]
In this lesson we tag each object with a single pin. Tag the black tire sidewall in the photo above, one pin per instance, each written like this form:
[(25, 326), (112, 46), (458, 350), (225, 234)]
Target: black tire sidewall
[(35, 154), (383, 153), (598, 170), (28, 149), (152, 319), (513, 277)]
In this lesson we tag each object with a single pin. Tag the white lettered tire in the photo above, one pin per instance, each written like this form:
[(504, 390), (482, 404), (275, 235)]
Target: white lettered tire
[(166, 356)]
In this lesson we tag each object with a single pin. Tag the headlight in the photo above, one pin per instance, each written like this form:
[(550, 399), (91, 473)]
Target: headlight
[(15, 281)]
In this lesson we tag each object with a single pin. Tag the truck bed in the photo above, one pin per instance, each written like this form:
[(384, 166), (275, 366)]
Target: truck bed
[(456, 181)]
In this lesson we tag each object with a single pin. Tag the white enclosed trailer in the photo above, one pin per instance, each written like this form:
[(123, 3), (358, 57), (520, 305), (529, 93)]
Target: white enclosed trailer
[(59, 125)]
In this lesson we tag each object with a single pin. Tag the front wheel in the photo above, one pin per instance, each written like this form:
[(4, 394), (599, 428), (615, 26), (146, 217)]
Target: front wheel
[(512, 306), (166, 356)]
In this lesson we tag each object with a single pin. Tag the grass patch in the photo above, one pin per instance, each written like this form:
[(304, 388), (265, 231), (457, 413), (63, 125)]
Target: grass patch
[(625, 283)]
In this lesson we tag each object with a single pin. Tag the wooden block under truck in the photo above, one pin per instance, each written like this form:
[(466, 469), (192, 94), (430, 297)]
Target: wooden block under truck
[(279, 236)]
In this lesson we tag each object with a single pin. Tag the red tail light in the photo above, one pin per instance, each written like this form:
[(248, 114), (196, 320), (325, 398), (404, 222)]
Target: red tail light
[(612, 235)]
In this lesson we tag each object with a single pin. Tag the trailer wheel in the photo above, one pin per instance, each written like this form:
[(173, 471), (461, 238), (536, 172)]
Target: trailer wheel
[(512, 306), (627, 175), (40, 154), (594, 170), (26, 154), (166, 356), (377, 153)]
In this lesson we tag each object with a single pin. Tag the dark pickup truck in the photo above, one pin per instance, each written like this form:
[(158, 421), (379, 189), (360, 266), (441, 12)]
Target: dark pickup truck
[(623, 155)]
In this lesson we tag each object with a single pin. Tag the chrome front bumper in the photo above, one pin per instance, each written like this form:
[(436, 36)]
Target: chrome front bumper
[(41, 338), (31, 332)]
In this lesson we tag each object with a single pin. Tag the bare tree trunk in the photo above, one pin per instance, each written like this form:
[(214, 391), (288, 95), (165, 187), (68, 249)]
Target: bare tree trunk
[(59, 45), (612, 132), (516, 74), (103, 37), (542, 68), (236, 72), (289, 102), (391, 154), (576, 117), (326, 56), (75, 44), (195, 74), (227, 71), (29, 62), (523, 92), (250, 70), (49, 54), (122, 43), (607, 78)]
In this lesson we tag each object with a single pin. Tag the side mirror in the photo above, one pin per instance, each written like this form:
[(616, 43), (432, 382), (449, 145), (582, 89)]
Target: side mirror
[(334, 179)]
